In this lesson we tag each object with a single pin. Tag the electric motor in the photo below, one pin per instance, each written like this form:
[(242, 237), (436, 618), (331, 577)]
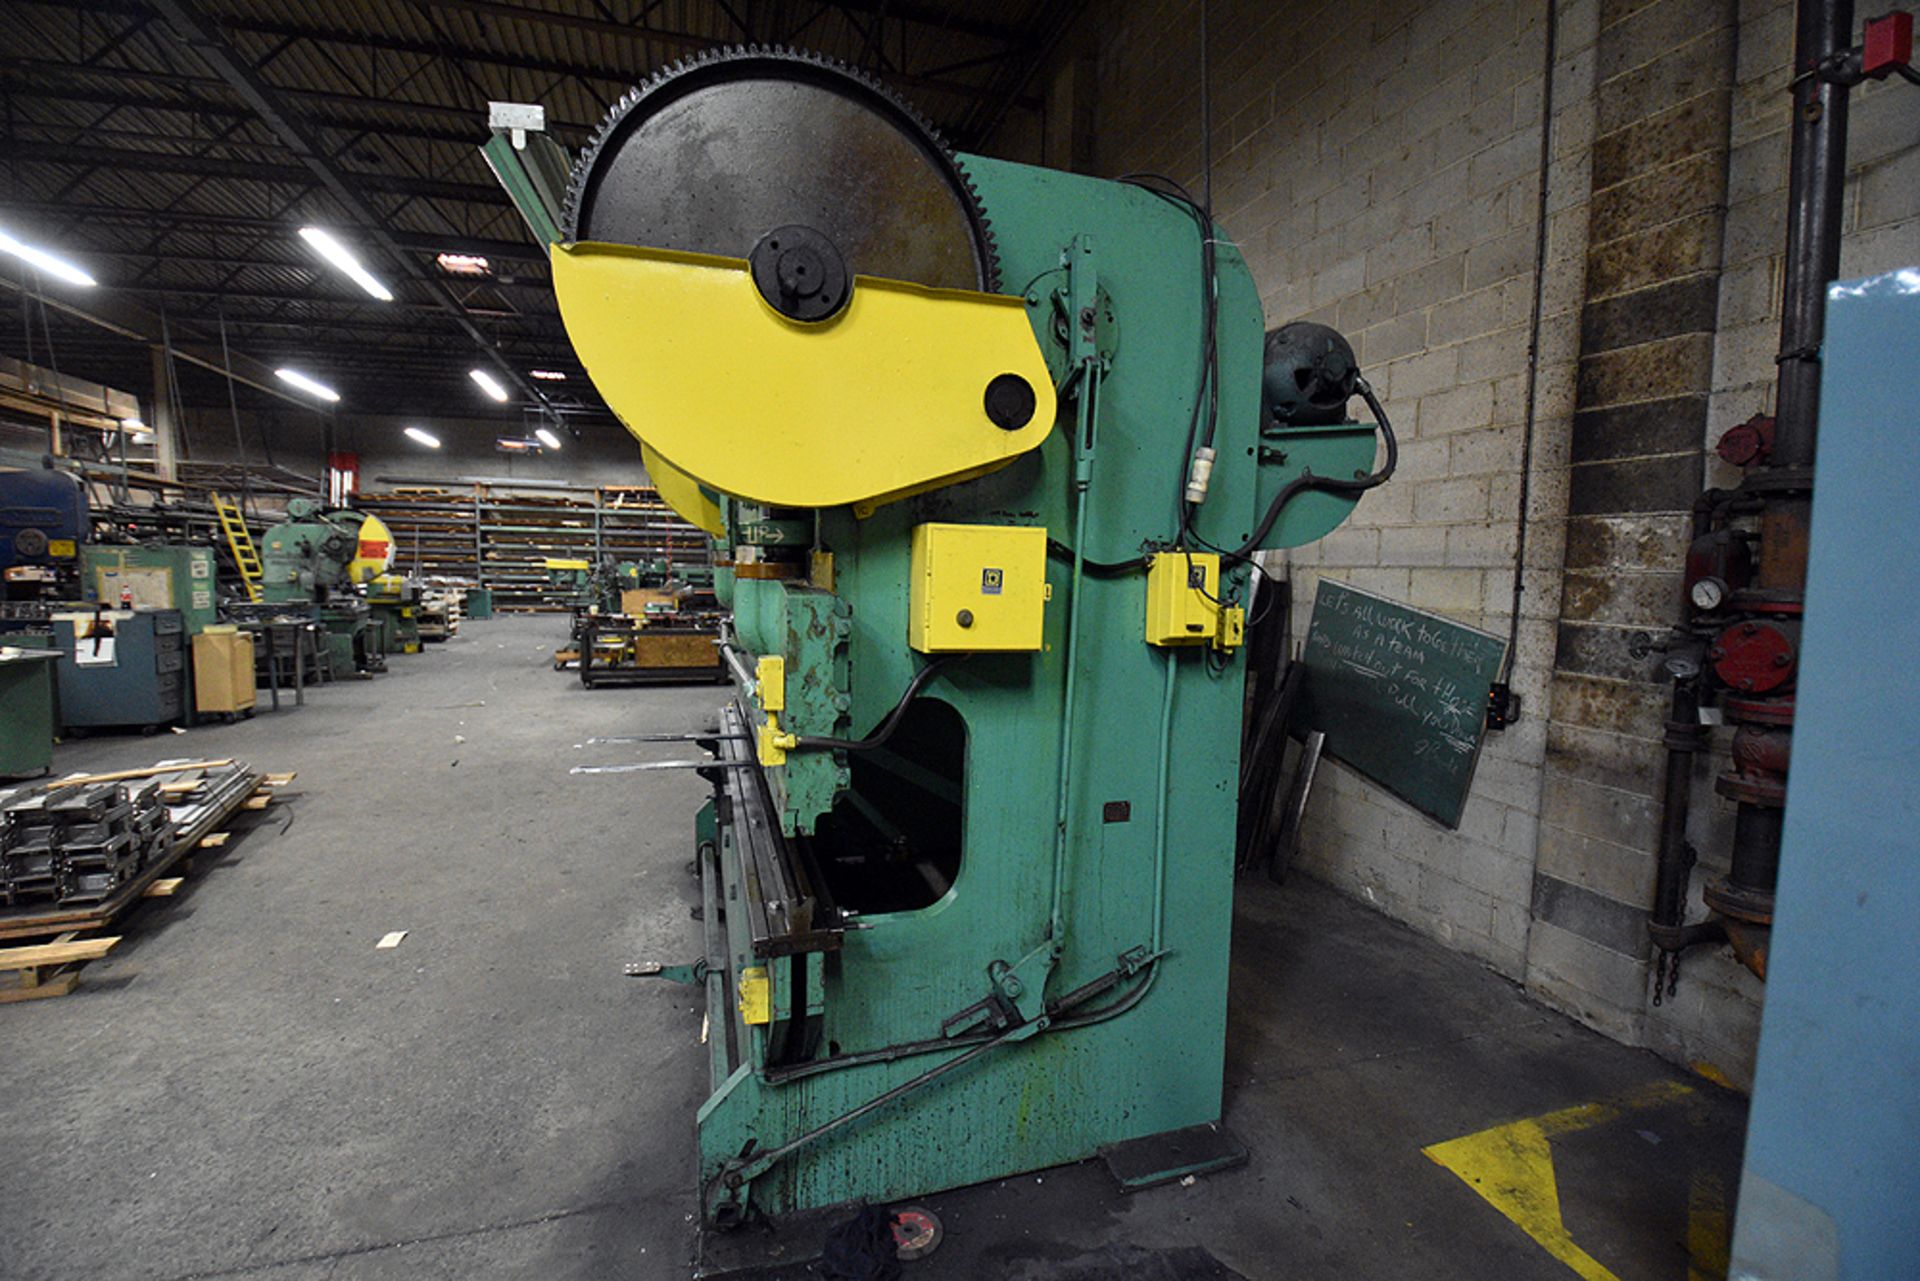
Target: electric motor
[(1310, 374)]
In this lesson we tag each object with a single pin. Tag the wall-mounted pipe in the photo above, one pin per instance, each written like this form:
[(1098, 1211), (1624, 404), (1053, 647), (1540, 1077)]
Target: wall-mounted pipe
[(1723, 624)]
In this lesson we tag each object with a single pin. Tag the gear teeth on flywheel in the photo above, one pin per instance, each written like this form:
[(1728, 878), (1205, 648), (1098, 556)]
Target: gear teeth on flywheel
[(616, 115)]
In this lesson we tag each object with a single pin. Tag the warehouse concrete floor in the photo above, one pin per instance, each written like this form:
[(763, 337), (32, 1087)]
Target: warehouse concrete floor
[(248, 1088)]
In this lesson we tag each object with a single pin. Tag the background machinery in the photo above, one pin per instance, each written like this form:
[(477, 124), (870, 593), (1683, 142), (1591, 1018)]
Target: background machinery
[(45, 517), (983, 449), (316, 558)]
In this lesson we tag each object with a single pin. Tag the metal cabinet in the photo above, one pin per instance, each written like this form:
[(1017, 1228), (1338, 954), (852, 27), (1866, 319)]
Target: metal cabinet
[(121, 667), (26, 711)]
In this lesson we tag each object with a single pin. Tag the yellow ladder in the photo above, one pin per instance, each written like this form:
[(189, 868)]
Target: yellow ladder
[(240, 542)]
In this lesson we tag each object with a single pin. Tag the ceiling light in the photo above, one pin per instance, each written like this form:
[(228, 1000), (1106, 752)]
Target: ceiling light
[(464, 265), (489, 384), (342, 259), (547, 438), (140, 438), (548, 375), (426, 438), (297, 379), (132, 424), (45, 261)]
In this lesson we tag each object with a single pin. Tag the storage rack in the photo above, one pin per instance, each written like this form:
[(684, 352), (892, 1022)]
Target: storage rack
[(501, 538)]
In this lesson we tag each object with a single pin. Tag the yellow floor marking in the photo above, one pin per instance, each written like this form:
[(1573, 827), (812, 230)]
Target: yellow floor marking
[(1511, 1167), (1707, 1236), (1700, 1067)]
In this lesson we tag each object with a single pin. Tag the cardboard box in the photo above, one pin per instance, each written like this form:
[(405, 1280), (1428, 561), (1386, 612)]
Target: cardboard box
[(223, 671)]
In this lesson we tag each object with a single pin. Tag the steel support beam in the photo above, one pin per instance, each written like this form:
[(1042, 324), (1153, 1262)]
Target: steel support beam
[(170, 220), (221, 58), (40, 85), (140, 161), (501, 11), (166, 436), (135, 322)]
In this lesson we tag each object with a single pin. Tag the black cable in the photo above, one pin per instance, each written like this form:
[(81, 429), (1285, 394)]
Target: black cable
[(882, 732), (1206, 398), (1097, 568), (1307, 480), (1533, 347)]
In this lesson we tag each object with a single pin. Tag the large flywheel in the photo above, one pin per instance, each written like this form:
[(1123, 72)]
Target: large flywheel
[(782, 281), (722, 153)]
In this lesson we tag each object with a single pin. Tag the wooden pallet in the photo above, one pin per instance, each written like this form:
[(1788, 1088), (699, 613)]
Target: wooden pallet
[(52, 968), (48, 969)]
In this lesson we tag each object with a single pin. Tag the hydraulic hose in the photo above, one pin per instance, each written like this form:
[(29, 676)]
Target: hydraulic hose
[(1307, 480), (884, 730)]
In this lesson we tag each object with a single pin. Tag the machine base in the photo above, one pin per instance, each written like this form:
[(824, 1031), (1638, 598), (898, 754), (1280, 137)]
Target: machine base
[(1173, 1154)]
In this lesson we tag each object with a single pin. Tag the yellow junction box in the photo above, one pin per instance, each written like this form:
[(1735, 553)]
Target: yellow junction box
[(978, 588), (1183, 598)]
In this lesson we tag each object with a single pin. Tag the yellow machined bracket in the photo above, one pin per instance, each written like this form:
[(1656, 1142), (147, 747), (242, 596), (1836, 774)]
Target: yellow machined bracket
[(756, 995), (885, 398), (770, 679), (1233, 629), (773, 742)]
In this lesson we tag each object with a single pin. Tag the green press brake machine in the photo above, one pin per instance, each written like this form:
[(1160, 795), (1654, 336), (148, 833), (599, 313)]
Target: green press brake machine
[(989, 448)]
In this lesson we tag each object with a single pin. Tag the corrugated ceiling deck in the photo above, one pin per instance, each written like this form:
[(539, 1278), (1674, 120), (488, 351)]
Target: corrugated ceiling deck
[(129, 151)]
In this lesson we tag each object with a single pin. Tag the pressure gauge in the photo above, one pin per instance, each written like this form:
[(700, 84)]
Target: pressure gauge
[(1708, 594)]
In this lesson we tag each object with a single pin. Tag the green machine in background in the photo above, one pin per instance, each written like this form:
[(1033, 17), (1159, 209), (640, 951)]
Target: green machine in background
[(166, 576), (395, 602), (318, 556), (990, 499)]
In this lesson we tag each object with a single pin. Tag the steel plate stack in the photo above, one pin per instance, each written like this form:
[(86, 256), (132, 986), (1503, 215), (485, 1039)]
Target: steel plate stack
[(77, 845)]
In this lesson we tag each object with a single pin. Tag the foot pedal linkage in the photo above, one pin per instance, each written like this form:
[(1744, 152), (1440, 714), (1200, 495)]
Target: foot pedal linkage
[(694, 975)]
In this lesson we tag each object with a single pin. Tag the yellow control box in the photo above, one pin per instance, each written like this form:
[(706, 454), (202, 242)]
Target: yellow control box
[(977, 588), (1183, 598)]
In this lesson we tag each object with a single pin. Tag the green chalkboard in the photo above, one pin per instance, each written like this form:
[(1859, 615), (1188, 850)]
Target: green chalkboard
[(1401, 694)]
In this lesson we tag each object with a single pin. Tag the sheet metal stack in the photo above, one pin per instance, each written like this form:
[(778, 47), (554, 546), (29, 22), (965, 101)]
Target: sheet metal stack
[(76, 845)]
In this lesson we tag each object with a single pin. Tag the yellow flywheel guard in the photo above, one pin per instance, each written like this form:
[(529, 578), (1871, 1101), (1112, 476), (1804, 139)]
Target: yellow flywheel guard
[(886, 397), (682, 492)]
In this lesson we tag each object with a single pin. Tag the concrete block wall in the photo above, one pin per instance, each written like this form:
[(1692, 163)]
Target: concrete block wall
[(1664, 73), (1377, 164), (1714, 1016)]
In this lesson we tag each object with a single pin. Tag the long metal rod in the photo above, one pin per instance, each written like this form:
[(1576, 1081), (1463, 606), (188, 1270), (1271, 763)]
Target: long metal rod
[(1816, 192), (1083, 481), (1536, 317)]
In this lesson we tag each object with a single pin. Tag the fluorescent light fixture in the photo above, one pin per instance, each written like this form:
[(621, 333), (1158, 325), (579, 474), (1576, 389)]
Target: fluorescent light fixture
[(140, 438), (464, 264), (341, 259), (489, 384), (132, 424), (294, 378), (547, 438), (426, 438), (45, 261), (548, 375)]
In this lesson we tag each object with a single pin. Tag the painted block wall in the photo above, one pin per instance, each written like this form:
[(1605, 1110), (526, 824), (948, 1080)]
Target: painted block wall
[(1377, 165)]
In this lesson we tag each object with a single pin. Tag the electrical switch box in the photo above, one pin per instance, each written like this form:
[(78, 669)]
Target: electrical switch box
[(1183, 598), (977, 588)]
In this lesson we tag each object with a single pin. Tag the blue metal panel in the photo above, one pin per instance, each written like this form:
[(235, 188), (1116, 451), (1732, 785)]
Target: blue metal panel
[(1831, 1189), (53, 503), (145, 684)]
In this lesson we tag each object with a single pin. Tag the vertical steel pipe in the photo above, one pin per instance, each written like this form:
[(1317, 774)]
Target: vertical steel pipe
[(1816, 188)]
